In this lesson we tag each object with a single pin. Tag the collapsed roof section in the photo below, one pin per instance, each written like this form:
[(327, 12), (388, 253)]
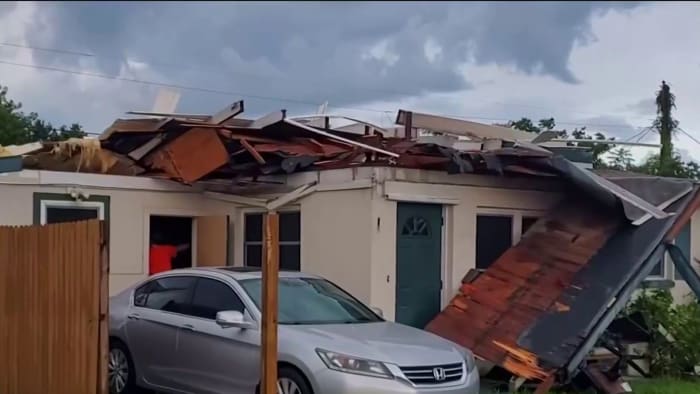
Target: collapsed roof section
[(226, 149), (540, 308)]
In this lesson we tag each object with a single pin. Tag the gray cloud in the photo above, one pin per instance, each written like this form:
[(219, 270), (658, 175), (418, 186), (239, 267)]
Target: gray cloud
[(347, 53)]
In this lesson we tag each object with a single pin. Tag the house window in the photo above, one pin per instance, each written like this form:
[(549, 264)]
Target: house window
[(494, 235), (290, 240), (59, 208), (665, 269)]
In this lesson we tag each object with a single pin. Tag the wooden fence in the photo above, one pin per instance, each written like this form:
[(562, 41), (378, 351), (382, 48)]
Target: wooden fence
[(53, 309)]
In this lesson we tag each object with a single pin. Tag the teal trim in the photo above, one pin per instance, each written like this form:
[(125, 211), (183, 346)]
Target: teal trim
[(39, 197)]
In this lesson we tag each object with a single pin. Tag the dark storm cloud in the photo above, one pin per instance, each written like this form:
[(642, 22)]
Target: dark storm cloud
[(316, 51)]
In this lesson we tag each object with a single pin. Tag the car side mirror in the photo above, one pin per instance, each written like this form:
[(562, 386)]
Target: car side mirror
[(378, 311), (233, 319)]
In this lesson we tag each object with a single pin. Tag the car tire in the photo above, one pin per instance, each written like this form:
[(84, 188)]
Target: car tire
[(291, 381), (121, 376)]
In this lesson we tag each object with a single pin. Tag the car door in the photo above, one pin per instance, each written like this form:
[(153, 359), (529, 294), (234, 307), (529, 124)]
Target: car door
[(215, 359), (152, 327)]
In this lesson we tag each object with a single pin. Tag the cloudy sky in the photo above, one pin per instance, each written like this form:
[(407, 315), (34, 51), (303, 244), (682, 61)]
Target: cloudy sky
[(586, 64)]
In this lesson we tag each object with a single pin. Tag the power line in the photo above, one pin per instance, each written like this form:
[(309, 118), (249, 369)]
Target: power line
[(260, 97), (182, 87), (690, 136), (392, 91)]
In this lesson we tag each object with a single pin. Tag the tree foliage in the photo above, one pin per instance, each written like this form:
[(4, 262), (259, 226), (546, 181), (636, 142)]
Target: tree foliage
[(620, 158), (675, 357), (549, 124), (18, 128), (666, 126)]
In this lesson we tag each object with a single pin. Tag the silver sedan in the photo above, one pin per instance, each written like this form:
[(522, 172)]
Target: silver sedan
[(198, 331)]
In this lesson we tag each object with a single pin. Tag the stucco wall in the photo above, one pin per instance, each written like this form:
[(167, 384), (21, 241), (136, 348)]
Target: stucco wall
[(336, 239), (461, 205), (129, 225)]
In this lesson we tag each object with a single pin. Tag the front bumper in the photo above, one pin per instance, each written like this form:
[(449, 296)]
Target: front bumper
[(329, 381)]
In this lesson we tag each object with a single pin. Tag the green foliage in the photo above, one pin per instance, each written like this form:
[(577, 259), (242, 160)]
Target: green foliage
[(18, 128), (621, 159), (548, 124), (666, 126), (676, 167), (680, 355)]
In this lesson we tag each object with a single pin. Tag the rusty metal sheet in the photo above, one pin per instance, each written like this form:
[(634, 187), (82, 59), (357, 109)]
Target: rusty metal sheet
[(524, 284), (191, 156)]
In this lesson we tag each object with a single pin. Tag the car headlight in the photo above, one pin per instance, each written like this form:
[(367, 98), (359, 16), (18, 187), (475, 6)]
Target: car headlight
[(469, 360), (351, 364)]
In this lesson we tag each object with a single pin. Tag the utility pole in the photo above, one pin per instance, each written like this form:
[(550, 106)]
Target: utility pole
[(270, 279), (666, 126)]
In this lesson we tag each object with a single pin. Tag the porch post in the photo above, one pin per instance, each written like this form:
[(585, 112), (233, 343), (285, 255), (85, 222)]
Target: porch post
[(270, 279)]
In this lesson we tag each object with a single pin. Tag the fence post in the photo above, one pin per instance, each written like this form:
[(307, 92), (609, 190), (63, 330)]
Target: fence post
[(270, 279)]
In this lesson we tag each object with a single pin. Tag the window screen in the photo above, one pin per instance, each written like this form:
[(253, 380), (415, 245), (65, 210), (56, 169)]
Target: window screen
[(494, 235), (290, 240)]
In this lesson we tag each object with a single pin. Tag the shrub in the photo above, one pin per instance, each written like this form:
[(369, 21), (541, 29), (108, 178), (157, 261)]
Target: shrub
[(675, 352)]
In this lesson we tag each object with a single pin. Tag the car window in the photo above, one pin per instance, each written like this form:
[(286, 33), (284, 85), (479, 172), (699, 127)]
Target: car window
[(312, 301), (212, 296), (170, 294)]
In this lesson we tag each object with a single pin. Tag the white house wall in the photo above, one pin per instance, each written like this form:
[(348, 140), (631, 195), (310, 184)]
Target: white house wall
[(129, 224)]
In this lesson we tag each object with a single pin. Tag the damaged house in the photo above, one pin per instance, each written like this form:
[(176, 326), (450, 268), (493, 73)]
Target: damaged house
[(482, 234)]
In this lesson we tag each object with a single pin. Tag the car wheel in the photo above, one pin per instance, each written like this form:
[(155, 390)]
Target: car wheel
[(290, 381), (120, 370)]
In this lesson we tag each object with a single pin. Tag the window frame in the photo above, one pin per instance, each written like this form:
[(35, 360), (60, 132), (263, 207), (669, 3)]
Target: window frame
[(261, 243), (44, 201)]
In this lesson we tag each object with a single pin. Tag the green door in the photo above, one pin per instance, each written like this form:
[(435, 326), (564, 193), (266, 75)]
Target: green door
[(418, 263)]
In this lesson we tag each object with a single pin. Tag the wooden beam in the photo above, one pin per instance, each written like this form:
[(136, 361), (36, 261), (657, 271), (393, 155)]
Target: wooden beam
[(256, 155), (270, 280)]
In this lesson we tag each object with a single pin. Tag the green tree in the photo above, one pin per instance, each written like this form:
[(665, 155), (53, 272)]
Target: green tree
[(666, 126), (18, 128), (621, 159), (549, 124)]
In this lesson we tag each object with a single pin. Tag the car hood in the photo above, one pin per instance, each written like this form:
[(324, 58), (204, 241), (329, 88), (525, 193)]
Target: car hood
[(382, 341)]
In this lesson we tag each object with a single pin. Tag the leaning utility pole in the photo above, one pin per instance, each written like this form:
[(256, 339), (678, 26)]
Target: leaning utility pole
[(666, 126)]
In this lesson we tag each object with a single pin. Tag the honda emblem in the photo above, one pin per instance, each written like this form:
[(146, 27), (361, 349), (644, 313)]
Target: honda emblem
[(439, 374)]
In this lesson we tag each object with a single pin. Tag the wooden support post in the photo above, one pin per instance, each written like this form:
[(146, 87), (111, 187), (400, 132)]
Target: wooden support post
[(270, 278)]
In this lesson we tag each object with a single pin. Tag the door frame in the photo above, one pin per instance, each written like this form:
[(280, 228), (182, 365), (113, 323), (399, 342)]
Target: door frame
[(187, 213)]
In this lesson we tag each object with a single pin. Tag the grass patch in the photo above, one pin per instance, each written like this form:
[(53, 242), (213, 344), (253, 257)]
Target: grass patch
[(666, 386)]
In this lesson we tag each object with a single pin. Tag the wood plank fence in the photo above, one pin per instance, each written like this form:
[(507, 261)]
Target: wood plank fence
[(53, 309)]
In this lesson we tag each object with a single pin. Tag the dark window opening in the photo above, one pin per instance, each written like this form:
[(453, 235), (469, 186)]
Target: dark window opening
[(494, 235), (170, 243), (211, 296), (290, 240), (527, 223), (70, 214)]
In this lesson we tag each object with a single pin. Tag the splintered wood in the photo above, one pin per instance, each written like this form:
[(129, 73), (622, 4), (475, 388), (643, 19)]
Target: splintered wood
[(522, 363), (524, 284)]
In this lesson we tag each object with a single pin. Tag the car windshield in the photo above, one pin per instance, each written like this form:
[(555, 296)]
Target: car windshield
[(312, 301)]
